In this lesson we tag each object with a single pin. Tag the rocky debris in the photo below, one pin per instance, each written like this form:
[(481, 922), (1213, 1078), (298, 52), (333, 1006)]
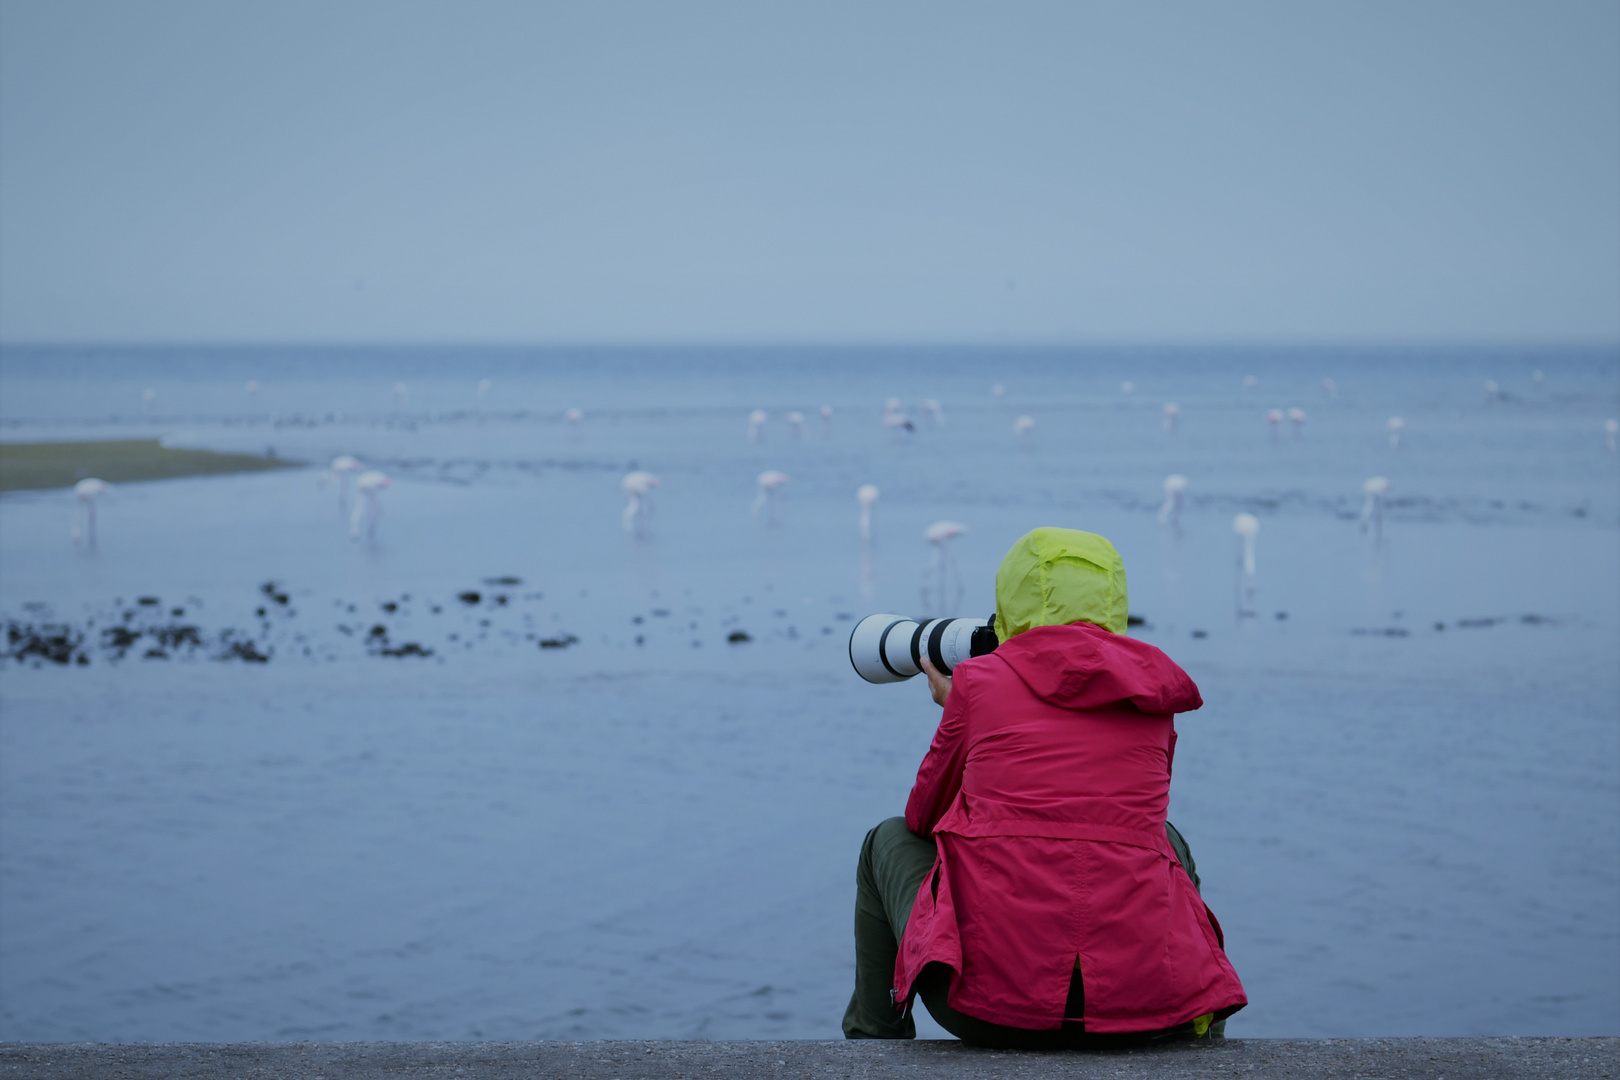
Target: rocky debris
[(507, 579), (469, 597), (738, 636), (559, 642), (51, 642), (276, 593)]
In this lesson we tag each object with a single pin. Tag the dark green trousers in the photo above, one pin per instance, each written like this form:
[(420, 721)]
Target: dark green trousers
[(894, 860)]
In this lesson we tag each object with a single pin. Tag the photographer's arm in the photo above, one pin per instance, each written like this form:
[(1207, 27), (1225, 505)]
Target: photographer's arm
[(939, 778)]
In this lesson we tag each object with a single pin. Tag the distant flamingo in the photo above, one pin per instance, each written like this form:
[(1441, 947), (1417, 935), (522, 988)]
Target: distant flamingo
[(1250, 382), (898, 421), (1611, 433), (796, 422), (368, 506), (893, 405), (88, 491), (1172, 416), (940, 534), (1247, 527), (1492, 391), (252, 388), (1175, 489), (756, 425), (866, 495), (1274, 421), (1022, 427), (936, 415), (998, 391), (1538, 376), (638, 488), (826, 418), (1127, 387), (1372, 511), (1330, 387), (148, 398), (484, 386), (402, 395), (1397, 432), (575, 421), (1296, 422), (770, 483)]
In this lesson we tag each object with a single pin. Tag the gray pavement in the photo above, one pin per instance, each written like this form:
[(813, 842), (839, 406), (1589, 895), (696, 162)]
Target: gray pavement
[(1249, 1059)]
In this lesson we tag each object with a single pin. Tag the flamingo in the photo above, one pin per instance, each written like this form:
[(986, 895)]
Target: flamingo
[(893, 405), (796, 422), (1127, 387), (1330, 388), (484, 387), (1397, 432), (1274, 421), (148, 398), (1373, 509), (252, 388), (1492, 391), (1538, 376), (88, 491), (897, 421), (1172, 416), (1175, 489), (1296, 421), (367, 506), (574, 419), (826, 418), (1250, 382), (998, 391), (940, 534), (1611, 434), (866, 495), (1247, 528), (770, 482), (402, 395), (936, 415), (342, 466), (638, 488), (1022, 427), (756, 425)]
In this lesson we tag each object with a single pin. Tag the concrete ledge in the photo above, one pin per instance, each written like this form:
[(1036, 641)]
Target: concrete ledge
[(1251, 1059)]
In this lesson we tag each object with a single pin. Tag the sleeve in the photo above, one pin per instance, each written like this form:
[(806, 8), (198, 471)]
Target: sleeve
[(939, 778)]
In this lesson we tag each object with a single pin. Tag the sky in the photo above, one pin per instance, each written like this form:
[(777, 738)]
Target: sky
[(804, 173)]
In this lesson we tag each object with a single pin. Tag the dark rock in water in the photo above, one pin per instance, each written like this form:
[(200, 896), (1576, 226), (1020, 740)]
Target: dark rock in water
[(174, 637), (389, 606), (58, 644), (378, 631), (233, 648), (410, 648), (662, 613), (1136, 620), (1537, 620), (156, 654), (641, 639), (505, 580), (1281, 615), (501, 599), (469, 597), (1200, 633), (148, 601), (1474, 624), (275, 593), (1382, 631), (1439, 626), (559, 642), (738, 636), (260, 612), (119, 637), (178, 612)]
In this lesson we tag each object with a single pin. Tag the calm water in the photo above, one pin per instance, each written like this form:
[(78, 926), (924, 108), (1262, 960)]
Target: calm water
[(1403, 792)]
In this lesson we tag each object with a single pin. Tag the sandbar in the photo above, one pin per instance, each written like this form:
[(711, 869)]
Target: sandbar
[(44, 465)]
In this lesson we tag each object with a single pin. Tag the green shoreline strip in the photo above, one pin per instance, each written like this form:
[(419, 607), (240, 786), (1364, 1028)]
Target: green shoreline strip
[(39, 466)]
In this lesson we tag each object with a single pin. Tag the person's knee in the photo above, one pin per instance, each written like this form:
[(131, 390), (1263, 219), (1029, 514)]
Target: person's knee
[(888, 831)]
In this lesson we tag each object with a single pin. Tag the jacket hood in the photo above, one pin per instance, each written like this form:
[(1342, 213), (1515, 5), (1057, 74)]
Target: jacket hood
[(1053, 577), (1086, 667)]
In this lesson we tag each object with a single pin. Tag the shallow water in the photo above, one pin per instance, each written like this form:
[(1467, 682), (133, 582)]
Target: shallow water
[(1404, 829)]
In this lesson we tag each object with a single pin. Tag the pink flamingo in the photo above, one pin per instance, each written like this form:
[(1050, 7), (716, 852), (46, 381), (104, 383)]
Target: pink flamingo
[(1247, 527), (402, 395), (796, 422), (1022, 427), (770, 483), (1296, 422), (252, 388), (342, 466), (826, 418), (939, 535), (148, 399), (88, 491), (1330, 388), (756, 425), (638, 488), (1175, 489), (936, 414), (1127, 387), (575, 421), (1492, 391), (1611, 434), (484, 386), (1274, 421), (866, 495), (998, 391), (368, 506), (1250, 382), (1172, 416), (1373, 509), (1397, 432), (898, 421)]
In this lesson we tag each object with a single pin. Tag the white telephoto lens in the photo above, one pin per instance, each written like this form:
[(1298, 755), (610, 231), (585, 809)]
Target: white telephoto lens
[(880, 648), (952, 644)]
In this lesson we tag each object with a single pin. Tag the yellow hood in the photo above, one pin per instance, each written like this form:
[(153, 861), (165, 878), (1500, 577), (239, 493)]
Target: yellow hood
[(1053, 577)]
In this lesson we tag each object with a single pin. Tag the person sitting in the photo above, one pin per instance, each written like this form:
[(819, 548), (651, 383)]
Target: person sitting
[(1034, 894)]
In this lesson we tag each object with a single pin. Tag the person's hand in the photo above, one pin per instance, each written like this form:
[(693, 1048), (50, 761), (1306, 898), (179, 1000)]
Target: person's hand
[(938, 684)]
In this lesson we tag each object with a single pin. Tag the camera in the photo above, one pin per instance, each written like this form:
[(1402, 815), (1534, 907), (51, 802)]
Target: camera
[(890, 648)]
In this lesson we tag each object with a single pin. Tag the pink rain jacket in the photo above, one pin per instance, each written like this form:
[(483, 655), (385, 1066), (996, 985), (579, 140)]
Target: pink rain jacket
[(1045, 789)]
